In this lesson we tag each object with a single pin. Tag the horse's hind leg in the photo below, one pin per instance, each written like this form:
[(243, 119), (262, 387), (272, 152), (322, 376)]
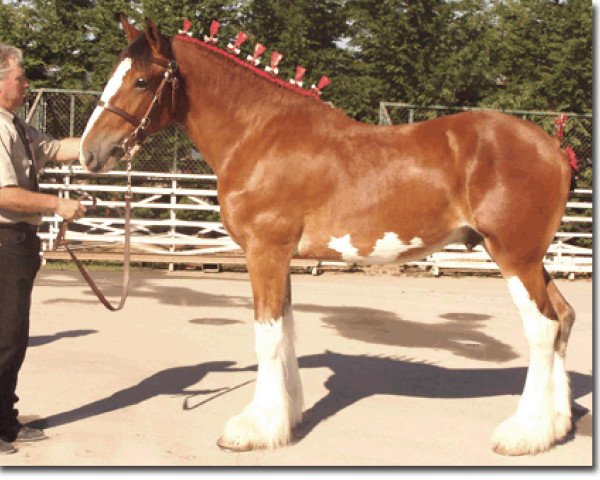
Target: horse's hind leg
[(277, 404), (533, 427), (562, 390)]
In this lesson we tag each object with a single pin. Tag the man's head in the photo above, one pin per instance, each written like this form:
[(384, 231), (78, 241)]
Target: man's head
[(13, 83)]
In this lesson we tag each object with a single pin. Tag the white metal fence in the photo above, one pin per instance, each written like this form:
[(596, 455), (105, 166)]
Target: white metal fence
[(170, 225)]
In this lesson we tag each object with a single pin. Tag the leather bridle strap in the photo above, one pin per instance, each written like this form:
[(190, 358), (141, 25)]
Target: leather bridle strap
[(138, 136), (122, 113)]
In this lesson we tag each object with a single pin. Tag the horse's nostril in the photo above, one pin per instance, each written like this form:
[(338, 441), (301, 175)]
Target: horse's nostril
[(117, 151), (92, 163)]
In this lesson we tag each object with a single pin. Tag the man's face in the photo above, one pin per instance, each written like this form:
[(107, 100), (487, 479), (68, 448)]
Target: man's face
[(13, 87)]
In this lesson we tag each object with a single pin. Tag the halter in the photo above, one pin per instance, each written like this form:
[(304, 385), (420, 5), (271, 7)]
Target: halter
[(129, 145), (138, 136)]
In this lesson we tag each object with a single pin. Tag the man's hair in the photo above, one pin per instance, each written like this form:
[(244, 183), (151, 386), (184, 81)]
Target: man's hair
[(8, 53)]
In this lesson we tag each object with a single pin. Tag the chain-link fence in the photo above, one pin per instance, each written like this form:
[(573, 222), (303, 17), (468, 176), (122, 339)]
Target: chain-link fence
[(64, 113)]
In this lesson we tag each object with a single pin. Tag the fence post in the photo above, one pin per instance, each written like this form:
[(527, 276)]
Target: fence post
[(72, 116), (173, 217)]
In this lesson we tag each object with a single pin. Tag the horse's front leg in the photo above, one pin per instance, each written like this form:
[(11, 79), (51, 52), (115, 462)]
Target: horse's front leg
[(276, 408)]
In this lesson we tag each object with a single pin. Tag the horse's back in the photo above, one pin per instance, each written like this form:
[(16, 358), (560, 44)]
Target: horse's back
[(487, 135)]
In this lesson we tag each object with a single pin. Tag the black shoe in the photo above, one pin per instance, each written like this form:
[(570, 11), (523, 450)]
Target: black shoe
[(28, 434), (6, 448)]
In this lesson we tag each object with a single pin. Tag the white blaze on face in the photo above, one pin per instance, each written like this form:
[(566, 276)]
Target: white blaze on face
[(112, 87), (386, 249)]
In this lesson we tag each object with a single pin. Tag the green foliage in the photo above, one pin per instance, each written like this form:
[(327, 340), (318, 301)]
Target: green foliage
[(525, 54), (544, 51)]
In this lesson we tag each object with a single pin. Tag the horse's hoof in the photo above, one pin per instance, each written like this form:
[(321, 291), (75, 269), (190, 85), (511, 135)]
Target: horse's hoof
[(517, 437), (230, 448)]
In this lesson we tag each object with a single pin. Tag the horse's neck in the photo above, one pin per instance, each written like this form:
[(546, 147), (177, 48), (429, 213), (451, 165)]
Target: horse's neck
[(225, 103)]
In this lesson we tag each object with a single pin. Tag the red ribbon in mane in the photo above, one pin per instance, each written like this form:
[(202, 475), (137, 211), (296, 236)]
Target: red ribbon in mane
[(261, 73), (559, 122), (251, 64)]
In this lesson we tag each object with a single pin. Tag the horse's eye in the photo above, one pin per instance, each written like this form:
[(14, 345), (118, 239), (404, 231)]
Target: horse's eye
[(141, 83)]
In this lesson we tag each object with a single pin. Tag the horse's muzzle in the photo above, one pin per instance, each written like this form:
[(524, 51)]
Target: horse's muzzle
[(101, 161)]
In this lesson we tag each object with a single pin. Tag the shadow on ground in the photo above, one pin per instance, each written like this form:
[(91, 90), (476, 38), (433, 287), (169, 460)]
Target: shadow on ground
[(36, 341), (459, 333), (357, 377), (172, 381), (353, 378)]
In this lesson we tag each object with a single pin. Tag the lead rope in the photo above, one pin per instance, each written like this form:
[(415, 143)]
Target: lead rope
[(126, 250)]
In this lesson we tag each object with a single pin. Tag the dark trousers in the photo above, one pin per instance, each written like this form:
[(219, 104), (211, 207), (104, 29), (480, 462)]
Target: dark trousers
[(19, 264)]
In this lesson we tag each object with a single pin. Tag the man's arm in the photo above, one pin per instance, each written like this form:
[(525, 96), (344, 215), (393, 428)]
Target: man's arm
[(20, 200), (69, 150)]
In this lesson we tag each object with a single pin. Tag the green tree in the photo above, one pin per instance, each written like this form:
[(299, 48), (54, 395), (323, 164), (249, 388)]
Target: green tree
[(398, 44), (50, 35), (169, 15), (568, 84), (465, 71), (103, 38), (525, 54), (544, 51)]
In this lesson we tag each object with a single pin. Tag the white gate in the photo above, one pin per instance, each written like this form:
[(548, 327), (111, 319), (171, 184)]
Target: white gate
[(173, 232)]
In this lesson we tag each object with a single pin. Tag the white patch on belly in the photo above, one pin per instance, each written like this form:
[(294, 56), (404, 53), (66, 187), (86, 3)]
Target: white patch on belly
[(112, 87), (343, 246), (386, 249)]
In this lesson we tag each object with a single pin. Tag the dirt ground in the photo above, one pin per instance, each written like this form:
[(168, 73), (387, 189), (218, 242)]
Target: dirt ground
[(396, 370)]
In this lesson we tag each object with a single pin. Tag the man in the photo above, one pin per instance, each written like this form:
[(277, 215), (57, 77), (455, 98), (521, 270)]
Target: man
[(23, 153)]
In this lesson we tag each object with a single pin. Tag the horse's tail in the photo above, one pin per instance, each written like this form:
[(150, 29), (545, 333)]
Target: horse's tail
[(568, 151), (570, 154)]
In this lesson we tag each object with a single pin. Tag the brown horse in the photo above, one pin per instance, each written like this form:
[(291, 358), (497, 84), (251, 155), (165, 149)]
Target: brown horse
[(297, 177)]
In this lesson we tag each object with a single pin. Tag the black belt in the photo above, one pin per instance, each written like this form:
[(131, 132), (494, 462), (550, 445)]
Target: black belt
[(20, 226)]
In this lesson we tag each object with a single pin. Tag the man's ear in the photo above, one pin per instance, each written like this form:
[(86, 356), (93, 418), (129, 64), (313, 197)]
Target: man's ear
[(158, 43), (130, 30)]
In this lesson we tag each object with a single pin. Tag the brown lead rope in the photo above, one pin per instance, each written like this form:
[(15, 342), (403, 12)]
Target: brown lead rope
[(126, 258)]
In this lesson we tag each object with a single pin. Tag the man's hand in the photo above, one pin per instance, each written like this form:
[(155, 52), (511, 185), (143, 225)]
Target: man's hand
[(70, 209)]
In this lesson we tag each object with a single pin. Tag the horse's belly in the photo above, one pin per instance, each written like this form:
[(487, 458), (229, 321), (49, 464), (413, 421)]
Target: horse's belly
[(388, 248)]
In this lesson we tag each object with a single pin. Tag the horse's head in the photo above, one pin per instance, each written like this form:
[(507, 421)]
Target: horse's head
[(138, 100)]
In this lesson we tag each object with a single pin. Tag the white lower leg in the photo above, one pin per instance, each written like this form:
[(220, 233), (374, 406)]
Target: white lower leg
[(293, 384), (277, 404), (531, 429), (562, 398)]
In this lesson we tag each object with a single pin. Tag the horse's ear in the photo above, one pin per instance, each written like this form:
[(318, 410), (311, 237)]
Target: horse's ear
[(158, 43), (130, 30)]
